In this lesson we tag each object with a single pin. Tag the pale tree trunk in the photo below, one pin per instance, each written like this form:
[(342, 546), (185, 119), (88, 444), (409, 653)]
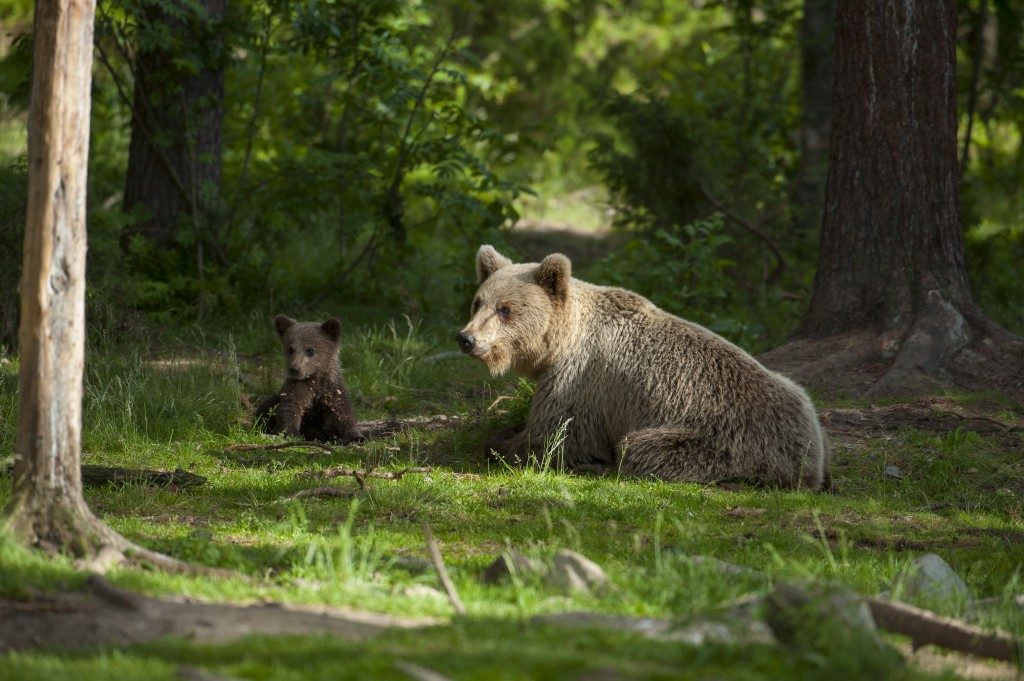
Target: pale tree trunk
[(47, 508), (892, 309)]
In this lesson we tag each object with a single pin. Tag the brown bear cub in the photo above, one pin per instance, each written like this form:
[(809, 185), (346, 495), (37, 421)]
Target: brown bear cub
[(313, 402), (634, 387)]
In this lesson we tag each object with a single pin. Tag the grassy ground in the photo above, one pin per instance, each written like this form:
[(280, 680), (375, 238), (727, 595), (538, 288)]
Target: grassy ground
[(180, 401)]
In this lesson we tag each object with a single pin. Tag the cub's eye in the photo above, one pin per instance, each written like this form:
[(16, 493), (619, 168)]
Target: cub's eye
[(504, 312), (291, 351), (309, 352)]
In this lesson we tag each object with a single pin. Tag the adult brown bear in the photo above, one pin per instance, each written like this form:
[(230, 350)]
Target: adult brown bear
[(636, 387)]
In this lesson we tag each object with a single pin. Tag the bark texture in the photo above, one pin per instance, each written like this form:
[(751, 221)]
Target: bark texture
[(891, 295), (47, 506), (817, 71), (174, 158)]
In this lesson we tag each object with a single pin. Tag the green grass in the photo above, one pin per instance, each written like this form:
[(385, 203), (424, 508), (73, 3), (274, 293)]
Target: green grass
[(962, 497)]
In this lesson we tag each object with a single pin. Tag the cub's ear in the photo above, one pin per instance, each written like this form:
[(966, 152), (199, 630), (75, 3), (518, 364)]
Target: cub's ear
[(332, 329), (489, 261), (283, 323), (553, 275)]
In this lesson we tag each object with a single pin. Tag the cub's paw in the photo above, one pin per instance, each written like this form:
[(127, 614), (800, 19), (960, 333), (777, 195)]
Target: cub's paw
[(353, 437)]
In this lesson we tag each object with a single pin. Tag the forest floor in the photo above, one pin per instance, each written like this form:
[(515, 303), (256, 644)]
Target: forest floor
[(939, 475)]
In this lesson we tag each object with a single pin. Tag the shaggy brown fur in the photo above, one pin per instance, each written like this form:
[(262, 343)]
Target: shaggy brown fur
[(639, 388), (313, 401)]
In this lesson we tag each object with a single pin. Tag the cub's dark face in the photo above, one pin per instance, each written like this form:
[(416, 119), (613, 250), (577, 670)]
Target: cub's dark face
[(513, 310), (310, 348)]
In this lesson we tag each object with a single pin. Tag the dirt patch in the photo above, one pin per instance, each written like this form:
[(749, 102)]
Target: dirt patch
[(107, 615)]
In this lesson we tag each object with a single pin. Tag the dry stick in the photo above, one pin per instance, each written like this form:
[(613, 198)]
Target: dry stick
[(923, 627), (320, 492), (442, 571), (299, 444), (386, 475)]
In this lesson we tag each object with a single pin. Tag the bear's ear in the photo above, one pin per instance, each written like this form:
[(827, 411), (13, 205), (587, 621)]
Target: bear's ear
[(553, 275), (283, 323), (332, 329), (489, 261)]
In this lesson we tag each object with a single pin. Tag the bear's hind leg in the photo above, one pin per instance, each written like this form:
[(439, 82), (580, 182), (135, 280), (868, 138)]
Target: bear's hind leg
[(677, 454)]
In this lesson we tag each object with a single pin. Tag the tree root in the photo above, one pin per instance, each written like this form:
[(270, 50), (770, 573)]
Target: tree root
[(942, 346)]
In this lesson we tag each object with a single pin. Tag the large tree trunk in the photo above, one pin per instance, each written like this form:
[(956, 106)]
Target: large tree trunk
[(47, 508), (174, 158), (817, 69), (891, 295)]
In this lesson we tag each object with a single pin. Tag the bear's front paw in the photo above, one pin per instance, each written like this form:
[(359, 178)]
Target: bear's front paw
[(508, 445)]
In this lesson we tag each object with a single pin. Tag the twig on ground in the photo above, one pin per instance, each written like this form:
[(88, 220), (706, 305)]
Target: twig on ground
[(499, 400), (320, 492), (442, 571), (298, 444), (356, 473), (419, 673), (924, 626)]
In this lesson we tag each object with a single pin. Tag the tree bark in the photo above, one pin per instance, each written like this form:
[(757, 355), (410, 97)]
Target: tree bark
[(47, 508), (891, 292), (174, 158), (817, 70)]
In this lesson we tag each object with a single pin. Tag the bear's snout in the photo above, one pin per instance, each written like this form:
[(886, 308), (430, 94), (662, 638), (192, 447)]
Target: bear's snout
[(466, 341)]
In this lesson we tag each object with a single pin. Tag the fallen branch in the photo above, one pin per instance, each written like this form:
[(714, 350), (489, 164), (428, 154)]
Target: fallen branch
[(924, 627), (297, 444), (108, 475), (105, 475), (442, 571), (320, 492), (342, 472)]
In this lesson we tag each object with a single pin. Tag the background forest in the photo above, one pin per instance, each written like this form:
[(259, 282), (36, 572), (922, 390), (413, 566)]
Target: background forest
[(350, 156)]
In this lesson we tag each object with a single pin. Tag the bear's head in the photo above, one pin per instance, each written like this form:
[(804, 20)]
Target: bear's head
[(516, 312), (310, 348)]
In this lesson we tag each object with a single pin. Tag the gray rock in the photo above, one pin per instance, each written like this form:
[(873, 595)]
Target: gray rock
[(802, 615), (423, 591), (893, 472), (723, 567), (524, 566), (414, 565), (929, 576), (575, 572)]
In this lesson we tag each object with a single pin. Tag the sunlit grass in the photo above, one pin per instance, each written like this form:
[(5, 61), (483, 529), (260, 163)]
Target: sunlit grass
[(961, 497)]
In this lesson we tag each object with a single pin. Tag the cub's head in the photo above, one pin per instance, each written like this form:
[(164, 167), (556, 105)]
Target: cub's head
[(310, 348), (515, 311)]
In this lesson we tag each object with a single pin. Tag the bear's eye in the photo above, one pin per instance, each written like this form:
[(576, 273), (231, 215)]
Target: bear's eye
[(504, 312), (291, 351), (309, 352), (476, 306)]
